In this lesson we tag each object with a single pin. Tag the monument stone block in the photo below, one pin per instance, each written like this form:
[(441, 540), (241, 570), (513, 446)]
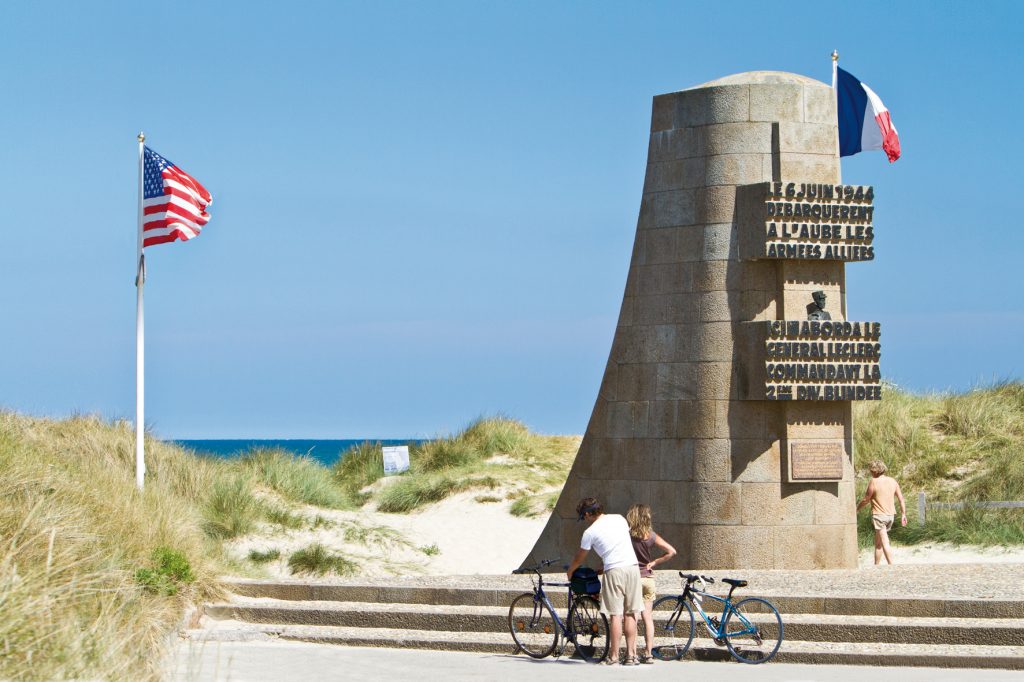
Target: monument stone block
[(675, 207), (776, 102), (718, 242), (690, 244), (712, 460), (820, 107), (734, 169), (807, 138), (736, 138), (714, 306), (832, 503), (807, 547), (756, 460), (663, 114), (715, 204), (745, 546), (664, 176), (710, 275), (765, 501), (675, 381), (821, 166), (662, 416), (676, 460), (715, 503)]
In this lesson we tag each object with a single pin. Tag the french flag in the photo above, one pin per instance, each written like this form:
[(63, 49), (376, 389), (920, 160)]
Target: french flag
[(864, 122)]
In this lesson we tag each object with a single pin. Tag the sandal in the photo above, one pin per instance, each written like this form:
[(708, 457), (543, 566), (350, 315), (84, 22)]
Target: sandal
[(610, 661), (646, 659), (630, 660)]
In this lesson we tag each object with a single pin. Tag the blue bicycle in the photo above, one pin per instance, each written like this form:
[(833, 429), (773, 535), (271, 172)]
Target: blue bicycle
[(535, 625), (751, 628)]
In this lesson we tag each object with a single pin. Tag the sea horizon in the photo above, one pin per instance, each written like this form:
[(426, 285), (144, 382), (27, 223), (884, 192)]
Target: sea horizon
[(325, 450)]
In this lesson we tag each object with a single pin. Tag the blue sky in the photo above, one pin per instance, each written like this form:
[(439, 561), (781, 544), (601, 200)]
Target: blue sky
[(423, 212)]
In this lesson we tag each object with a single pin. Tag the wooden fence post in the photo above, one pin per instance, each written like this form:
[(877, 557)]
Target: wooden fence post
[(921, 506)]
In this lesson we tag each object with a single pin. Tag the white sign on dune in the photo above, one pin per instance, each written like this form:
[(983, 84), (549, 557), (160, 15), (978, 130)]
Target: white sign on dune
[(396, 459)]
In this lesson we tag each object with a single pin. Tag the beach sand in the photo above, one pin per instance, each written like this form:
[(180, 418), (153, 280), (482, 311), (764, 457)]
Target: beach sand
[(461, 536), (457, 536)]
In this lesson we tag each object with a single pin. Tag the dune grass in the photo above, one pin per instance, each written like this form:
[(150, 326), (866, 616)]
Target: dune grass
[(965, 447), (300, 479), (93, 573), (489, 453)]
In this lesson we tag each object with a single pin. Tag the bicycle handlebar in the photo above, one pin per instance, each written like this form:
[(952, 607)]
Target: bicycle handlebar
[(535, 569), (694, 578)]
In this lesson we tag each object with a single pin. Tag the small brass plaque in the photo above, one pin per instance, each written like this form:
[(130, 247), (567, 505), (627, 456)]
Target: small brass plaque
[(816, 461)]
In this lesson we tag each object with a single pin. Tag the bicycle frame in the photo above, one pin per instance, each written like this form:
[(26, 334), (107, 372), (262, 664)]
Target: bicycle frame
[(541, 597), (717, 630)]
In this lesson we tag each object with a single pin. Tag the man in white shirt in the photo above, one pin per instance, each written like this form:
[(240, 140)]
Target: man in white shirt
[(621, 593)]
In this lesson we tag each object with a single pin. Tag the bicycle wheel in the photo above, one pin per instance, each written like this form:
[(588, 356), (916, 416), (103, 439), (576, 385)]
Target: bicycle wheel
[(589, 629), (532, 625), (673, 628), (753, 631)]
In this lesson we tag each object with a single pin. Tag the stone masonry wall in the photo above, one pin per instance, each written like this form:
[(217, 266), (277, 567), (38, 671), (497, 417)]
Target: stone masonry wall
[(668, 428)]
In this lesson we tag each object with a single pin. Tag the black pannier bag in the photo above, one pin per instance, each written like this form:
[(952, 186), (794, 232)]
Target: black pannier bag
[(585, 581)]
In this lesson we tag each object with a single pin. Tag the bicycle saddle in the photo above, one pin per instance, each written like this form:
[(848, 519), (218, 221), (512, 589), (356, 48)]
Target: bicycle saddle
[(734, 583)]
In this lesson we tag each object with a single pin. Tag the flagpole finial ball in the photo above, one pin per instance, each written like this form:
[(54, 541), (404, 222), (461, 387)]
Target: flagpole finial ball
[(835, 55), (142, 137)]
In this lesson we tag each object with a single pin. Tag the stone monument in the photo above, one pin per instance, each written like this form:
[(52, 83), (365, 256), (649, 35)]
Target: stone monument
[(723, 406)]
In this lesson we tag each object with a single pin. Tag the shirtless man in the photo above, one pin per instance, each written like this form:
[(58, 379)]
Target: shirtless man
[(880, 492)]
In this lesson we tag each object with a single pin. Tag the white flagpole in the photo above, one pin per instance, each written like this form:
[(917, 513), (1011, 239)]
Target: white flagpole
[(835, 98), (140, 367)]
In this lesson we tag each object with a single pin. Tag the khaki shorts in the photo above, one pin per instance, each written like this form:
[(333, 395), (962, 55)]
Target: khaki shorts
[(647, 585), (621, 591), (880, 521)]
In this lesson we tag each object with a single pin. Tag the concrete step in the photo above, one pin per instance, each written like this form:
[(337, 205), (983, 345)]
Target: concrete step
[(792, 651), (797, 626), (959, 607)]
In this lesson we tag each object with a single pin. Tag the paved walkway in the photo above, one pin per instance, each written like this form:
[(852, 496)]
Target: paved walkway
[(283, 661)]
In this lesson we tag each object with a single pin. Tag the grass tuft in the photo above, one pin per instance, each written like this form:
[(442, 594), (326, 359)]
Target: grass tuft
[(317, 559), (171, 569), (522, 506), (412, 492), (232, 509), (358, 467), (282, 517), (262, 557), (297, 479)]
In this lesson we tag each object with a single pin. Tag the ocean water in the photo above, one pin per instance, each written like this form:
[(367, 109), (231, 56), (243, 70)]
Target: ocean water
[(326, 452)]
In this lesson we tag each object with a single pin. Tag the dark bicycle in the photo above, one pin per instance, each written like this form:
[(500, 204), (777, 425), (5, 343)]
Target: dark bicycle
[(537, 629), (751, 628)]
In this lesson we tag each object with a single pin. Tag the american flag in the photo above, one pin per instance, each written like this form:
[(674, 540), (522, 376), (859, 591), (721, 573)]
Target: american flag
[(173, 202)]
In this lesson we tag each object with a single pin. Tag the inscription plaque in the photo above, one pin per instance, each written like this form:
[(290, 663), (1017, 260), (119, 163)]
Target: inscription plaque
[(816, 221), (811, 221), (815, 461), (822, 360)]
